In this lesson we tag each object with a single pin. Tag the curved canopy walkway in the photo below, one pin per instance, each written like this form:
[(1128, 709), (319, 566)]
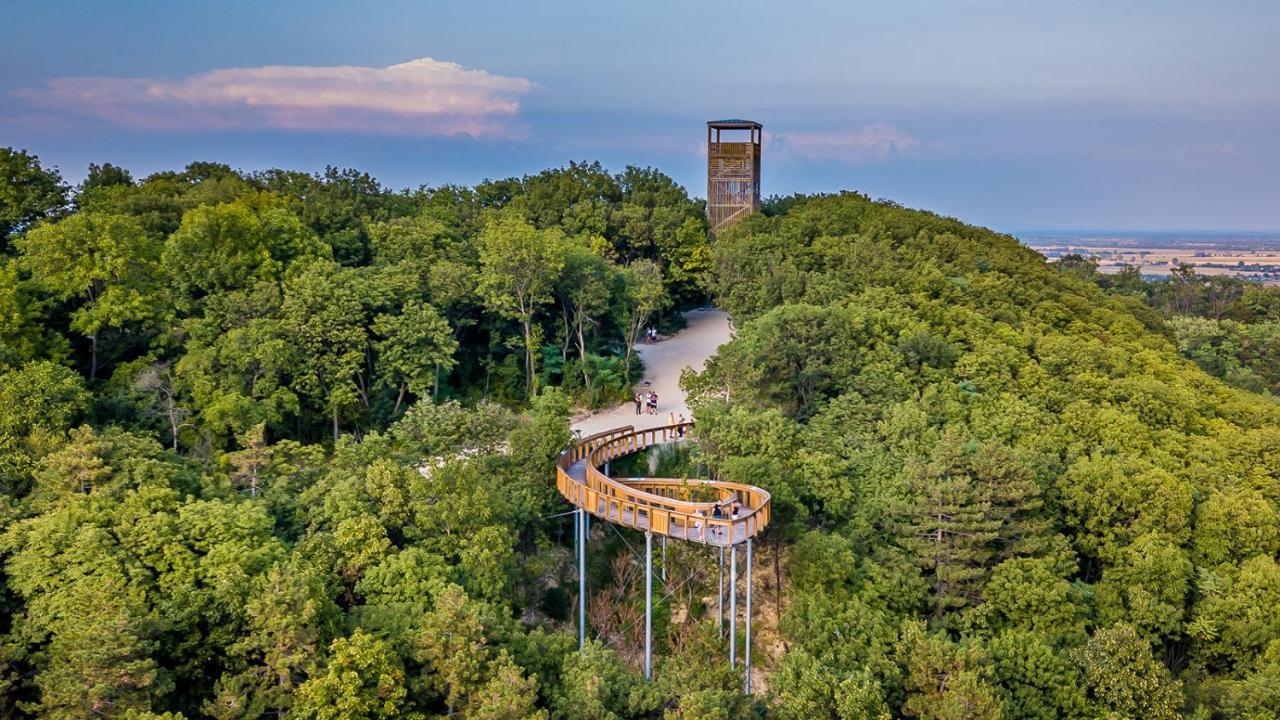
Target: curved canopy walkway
[(710, 512)]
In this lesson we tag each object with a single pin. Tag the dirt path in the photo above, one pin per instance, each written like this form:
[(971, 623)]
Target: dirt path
[(663, 363)]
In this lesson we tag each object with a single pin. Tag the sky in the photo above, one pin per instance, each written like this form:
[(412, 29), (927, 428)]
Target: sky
[(1017, 115)]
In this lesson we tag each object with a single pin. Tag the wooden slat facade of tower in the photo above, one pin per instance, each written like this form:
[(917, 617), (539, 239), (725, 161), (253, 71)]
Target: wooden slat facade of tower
[(733, 173)]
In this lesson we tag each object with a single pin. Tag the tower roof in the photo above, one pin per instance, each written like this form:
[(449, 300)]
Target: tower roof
[(735, 124)]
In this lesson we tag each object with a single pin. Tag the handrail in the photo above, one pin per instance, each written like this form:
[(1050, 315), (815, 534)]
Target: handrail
[(648, 503)]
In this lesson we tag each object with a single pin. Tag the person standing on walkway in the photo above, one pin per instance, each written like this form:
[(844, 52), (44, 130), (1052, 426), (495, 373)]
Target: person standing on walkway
[(638, 401)]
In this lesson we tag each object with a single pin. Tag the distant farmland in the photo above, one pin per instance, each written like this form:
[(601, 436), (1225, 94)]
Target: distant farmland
[(1252, 256)]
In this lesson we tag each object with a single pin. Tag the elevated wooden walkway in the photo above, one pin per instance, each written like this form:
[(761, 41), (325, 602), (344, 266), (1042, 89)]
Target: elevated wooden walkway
[(710, 512)]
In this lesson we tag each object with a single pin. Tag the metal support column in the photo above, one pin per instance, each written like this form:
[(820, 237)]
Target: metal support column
[(746, 646), (648, 606), (733, 606), (720, 597), (581, 528), (664, 559)]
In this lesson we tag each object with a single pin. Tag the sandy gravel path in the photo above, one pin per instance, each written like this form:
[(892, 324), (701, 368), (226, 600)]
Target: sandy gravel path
[(663, 362)]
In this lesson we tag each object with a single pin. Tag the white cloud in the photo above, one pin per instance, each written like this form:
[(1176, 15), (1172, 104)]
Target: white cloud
[(876, 142), (419, 97)]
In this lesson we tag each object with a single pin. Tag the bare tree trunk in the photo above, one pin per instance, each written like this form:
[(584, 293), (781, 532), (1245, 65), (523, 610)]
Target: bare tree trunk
[(335, 426), (528, 358), (564, 346), (93, 356), (582, 356), (435, 388), (399, 399), (633, 332)]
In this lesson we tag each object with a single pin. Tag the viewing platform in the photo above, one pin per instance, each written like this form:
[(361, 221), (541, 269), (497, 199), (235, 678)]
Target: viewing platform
[(710, 512)]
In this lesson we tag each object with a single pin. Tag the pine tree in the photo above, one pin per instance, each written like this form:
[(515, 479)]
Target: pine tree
[(947, 527)]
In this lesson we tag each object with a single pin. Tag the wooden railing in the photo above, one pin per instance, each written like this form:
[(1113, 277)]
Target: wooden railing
[(712, 512)]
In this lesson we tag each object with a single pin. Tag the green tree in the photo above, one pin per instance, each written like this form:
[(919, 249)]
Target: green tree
[(643, 294), (1124, 677), (414, 348), (946, 681), (364, 680), (585, 288), (1236, 619), (323, 318), (291, 618), (28, 193), (98, 660), (230, 246), (107, 263), (519, 267)]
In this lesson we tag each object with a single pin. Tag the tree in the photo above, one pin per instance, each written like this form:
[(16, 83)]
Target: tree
[(585, 288), (596, 685), (519, 267), (230, 246), (40, 396), (1234, 524), (508, 695), (324, 319), (1237, 619), (105, 175), (157, 381), (1124, 677), (106, 261), (28, 193), (23, 336), (946, 681), (947, 529), (291, 618), (1039, 683), (364, 680), (453, 643), (98, 661), (415, 346), (643, 294)]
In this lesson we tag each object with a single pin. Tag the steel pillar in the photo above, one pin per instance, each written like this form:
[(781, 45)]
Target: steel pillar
[(648, 606), (720, 597), (733, 606), (664, 559), (581, 527), (746, 646)]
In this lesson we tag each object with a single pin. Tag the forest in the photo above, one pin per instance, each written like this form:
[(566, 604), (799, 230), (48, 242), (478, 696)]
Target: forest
[(281, 445)]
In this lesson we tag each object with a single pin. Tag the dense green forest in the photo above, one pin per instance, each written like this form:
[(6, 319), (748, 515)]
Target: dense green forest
[(281, 445)]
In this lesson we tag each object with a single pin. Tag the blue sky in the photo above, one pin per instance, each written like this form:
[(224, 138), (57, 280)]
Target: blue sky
[(1124, 114)]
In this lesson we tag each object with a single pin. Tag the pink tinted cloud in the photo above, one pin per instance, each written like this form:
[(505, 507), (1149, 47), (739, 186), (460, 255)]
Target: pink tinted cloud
[(419, 97), (876, 142)]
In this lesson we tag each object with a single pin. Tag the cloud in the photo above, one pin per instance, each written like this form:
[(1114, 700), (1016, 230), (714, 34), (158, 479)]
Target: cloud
[(420, 97), (872, 143)]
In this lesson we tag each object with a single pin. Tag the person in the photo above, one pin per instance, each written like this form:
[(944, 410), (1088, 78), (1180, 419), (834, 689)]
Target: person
[(653, 403), (671, 418), (680, 425), (637, 400)]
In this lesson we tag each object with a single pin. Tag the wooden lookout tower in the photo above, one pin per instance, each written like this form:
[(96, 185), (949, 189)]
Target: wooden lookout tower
[(733, 171)]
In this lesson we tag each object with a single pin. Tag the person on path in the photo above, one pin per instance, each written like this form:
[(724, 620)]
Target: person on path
[(680, 425), (638, 401), (653, 403), (671, 419)]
